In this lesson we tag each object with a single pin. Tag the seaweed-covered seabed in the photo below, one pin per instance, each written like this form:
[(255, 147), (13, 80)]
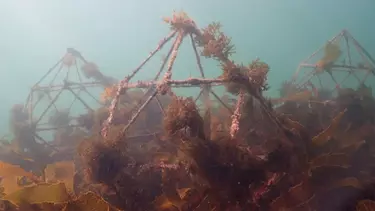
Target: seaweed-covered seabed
[(148, 149)]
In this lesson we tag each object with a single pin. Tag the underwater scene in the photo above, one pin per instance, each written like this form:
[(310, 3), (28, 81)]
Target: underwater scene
[(202, 133)]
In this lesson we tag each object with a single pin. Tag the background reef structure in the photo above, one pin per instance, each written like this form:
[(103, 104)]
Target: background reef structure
[(67, 90), (341, 63), (56, 105)]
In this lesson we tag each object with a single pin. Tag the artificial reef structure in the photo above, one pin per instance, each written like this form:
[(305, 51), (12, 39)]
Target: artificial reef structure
[(142, 146)]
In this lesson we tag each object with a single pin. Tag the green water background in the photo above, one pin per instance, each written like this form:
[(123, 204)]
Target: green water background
[(118, 34)]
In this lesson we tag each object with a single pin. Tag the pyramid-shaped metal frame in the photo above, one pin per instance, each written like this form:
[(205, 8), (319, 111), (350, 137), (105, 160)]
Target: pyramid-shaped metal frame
[(307, 70), (152, 88)]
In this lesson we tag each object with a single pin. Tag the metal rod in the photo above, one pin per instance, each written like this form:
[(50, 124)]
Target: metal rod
[(350, 57), (91, 95), (74, 100), (160, 105), (197, 57), (152, 53), (80, 99), (199, 95), (31, 107), (78, 73), (56, 128), (356, 43), (56, 74), (49, 71), (218, 98), (49, 106), (135, 116), (335, 66), (59, 87), (46, 143), (50, 99)]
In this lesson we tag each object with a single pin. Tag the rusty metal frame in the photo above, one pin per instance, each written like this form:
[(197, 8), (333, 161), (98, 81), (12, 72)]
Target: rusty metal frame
[(150, 87), (307, 71), (76, 88)]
